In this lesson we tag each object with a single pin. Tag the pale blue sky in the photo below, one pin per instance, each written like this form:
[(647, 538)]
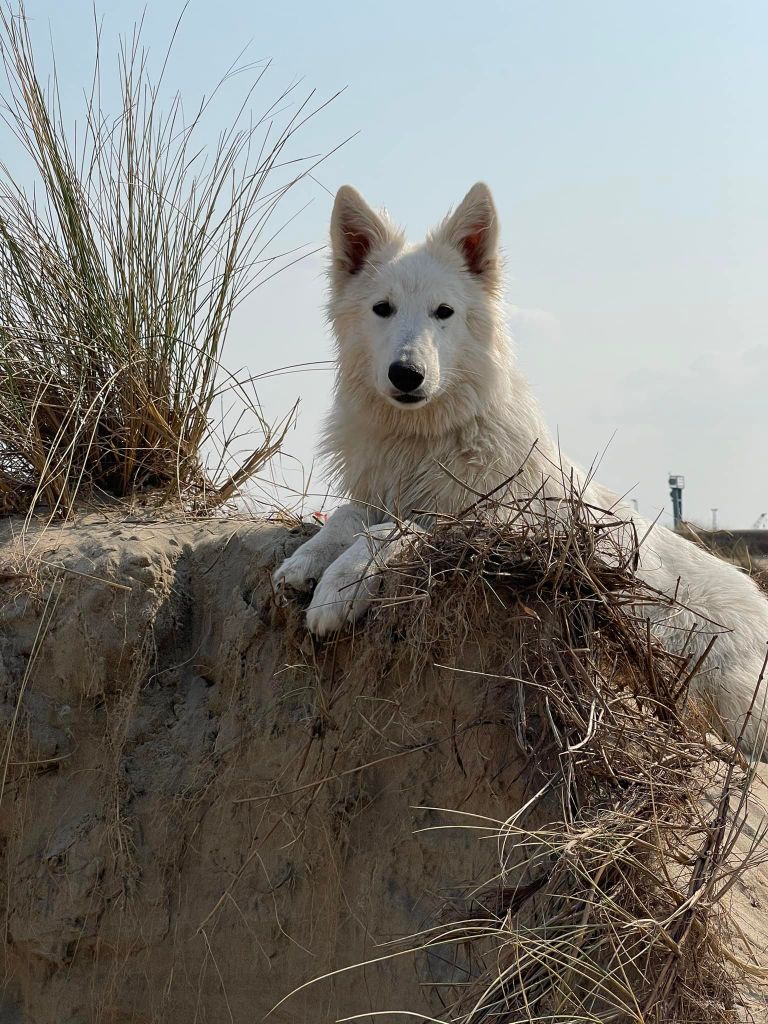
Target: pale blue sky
[(626, 147)]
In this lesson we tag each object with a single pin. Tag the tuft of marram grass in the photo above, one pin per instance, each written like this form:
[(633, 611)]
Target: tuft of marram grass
[(119, 278)]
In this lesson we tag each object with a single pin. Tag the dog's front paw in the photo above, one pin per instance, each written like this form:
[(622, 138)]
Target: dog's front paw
[(327, 618), (300, 571), (340, 599)]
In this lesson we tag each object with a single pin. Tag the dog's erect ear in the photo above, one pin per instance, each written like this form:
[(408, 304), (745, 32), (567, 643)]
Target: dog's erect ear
[(356, 230), (473, 229)]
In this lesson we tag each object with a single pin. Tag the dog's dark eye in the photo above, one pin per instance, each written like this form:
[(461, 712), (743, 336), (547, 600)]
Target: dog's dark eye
[(443, 312), (384, 309)]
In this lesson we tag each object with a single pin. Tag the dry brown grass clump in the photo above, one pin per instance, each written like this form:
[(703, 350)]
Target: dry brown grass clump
[(612, 908), (119, 274)]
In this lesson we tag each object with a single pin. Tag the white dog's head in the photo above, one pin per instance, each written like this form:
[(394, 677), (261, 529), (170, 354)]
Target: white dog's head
[(417, 326)]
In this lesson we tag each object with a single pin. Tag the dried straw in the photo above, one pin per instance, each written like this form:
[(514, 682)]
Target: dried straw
[(610, 902)]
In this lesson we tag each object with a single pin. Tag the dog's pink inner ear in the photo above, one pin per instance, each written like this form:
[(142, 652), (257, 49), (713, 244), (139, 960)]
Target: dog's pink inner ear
[(358, 245), (473, 247)]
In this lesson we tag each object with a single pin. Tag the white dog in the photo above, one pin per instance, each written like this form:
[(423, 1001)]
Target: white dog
[(428, 398)]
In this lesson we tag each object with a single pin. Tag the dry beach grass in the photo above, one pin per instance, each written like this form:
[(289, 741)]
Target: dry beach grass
[(119, 274), (616, 909)]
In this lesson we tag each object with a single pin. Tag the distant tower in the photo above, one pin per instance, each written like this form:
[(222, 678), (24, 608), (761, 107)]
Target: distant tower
[(676, 485), (714, 520)]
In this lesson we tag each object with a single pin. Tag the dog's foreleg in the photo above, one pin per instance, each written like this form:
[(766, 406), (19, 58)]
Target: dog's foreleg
[(306, 565), (350, 584)]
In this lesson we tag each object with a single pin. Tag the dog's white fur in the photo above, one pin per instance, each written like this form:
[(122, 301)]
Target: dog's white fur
[(477, 423)]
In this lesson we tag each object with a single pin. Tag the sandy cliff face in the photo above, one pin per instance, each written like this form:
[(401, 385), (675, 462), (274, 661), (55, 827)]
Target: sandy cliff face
[(188, 833)]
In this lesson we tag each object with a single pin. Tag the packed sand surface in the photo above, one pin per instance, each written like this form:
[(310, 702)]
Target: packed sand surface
[(178, 845), (203, 809)]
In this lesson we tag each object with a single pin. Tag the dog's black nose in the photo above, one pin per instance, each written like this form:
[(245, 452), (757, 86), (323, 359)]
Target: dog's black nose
[(405, 376)]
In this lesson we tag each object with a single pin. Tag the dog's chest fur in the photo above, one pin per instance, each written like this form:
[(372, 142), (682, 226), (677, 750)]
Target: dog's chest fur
[(410, 475)]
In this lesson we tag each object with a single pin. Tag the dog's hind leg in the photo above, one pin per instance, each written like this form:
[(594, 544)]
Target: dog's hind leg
[(350, 584), (306, 565)]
